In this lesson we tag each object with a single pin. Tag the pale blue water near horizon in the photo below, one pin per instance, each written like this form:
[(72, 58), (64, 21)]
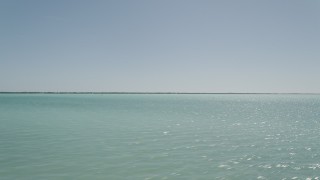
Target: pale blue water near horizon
[(167, 136)]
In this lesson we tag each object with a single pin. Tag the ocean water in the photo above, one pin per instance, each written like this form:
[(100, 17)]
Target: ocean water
[(166, 136)]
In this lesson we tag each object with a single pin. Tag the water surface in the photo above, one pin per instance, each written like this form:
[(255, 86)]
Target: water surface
[(136, 136)]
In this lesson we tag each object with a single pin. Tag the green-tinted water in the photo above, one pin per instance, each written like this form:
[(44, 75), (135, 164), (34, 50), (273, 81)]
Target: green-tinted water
[(159, 136)]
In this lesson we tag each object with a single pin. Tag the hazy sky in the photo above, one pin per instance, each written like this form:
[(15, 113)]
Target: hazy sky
[(160, 45)]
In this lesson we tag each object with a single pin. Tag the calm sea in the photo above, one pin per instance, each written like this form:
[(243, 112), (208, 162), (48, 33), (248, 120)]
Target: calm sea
[(141, 136)]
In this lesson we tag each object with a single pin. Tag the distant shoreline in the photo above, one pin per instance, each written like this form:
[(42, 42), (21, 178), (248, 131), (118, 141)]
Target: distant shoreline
[(143, 93)]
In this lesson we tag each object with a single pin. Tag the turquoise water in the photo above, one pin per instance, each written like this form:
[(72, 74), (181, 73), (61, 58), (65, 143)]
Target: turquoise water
[(110, 136)]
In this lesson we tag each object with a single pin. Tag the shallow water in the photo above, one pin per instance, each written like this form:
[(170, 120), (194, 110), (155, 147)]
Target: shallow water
[(126, 136)]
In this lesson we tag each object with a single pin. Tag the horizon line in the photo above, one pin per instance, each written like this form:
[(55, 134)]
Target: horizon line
[(125, 92)]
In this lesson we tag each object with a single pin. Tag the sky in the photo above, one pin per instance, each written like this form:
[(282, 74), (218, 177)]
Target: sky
[(213, 46)]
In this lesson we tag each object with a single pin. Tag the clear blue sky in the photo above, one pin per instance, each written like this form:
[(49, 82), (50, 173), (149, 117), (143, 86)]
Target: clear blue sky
[(160, 45)]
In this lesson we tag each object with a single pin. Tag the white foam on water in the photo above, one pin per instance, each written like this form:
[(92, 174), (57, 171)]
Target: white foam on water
[(261, 177), (165, 132), (282, 165), (225, 166), (267, 166)]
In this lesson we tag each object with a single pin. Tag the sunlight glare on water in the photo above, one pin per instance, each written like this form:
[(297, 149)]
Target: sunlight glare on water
[(166, 136)]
